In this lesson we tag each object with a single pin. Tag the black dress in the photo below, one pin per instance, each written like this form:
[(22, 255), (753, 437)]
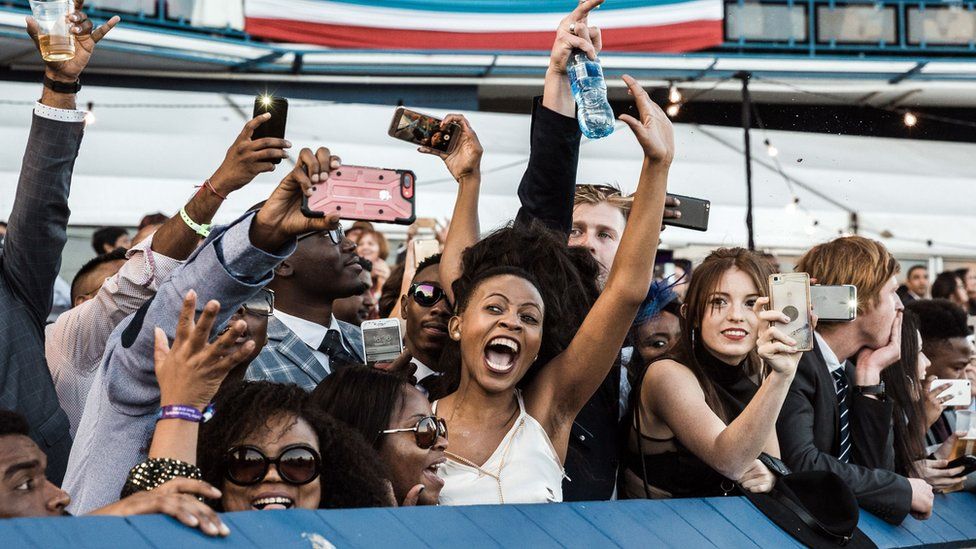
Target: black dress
[(680, 472)]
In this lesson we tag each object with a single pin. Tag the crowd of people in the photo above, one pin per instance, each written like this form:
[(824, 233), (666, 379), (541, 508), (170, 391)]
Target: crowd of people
[(206, 369)]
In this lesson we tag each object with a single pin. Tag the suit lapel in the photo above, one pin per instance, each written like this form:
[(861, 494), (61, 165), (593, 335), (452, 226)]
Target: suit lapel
[(353, 337), (291, 347), (828, 394)]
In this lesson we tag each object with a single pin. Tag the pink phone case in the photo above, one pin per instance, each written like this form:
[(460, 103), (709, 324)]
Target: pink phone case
[(363, 193)]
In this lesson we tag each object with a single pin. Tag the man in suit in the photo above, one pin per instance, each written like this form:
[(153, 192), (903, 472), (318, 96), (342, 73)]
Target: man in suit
[(231, 266), (836, 416), (31, 254), (916, 284), (305, 340)]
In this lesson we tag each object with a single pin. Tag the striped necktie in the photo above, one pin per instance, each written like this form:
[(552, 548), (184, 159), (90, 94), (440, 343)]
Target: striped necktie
[(840, 385)]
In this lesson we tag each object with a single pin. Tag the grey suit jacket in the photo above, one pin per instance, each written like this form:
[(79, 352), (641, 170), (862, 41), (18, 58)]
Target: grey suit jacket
[(120, 413), (287, 359), (29, 263)]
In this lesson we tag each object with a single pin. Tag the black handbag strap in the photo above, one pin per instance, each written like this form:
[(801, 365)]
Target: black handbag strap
[(807, 518)]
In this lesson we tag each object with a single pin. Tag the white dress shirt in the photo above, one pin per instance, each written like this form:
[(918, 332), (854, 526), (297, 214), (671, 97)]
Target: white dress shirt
[(313, 334), (833, 363)]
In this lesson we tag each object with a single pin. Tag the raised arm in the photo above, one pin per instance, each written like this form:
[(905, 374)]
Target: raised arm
[(565, 384), (464, 163)]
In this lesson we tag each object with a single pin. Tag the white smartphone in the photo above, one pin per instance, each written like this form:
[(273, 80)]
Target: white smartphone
[(423, 249), (382, 340), (789, 293), (834, 303), (960, 389)]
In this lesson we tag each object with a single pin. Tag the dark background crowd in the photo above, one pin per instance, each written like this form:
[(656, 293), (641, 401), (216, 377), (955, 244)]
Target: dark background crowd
[(190, 369)]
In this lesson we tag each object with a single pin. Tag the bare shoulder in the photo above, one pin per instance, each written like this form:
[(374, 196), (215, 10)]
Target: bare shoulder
[(668, 372)]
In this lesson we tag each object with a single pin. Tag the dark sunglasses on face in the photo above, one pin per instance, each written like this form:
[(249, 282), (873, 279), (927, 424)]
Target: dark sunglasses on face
[(261, 304), (297, 464), (335, 235), (426, 294), (425, 431)]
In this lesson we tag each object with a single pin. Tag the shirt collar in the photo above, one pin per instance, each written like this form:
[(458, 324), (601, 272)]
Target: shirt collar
[(423, 370), (830, 358), (311, 333)]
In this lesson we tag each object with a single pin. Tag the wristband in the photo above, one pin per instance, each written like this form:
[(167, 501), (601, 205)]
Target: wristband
[(871, 390), (186, 413), (62, 87), (202, 230), (210, 186)]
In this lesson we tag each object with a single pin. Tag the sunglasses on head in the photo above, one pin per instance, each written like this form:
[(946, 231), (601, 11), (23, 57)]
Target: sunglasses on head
[(297, 464), (425, 431), (426, 294), (335, 235), (261, 304)]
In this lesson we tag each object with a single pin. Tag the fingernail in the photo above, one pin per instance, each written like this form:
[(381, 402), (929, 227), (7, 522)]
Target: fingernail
[(677, 215), (224, 530), (287, 143), (315, 178), (75, 29), (422, 488), (194, 521), (74, 16)]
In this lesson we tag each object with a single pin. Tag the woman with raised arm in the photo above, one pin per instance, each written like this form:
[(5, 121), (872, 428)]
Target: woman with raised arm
[(509, 438), (705, 414)]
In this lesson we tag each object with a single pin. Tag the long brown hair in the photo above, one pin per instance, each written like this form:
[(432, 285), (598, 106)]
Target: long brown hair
[(703, 284), (907, 392)]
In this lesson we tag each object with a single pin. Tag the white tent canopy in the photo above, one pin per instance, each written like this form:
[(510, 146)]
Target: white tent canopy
[(138, 159)]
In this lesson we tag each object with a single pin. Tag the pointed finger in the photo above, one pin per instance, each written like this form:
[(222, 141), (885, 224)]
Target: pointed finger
[(101, 31), (184, 325), (582, 11), (201, 333)]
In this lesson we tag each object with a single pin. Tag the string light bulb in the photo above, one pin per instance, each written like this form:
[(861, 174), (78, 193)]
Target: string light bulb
[(812, 227), (770, 149), (792, 206), (673, 109), (674, 94), (89, 115), (910, 119)]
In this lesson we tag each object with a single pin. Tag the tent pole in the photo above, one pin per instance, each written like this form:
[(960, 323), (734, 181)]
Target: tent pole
[(746, 125)]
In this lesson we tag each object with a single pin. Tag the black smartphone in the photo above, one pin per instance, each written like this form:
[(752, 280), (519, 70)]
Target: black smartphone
[(275, 127), (694, 213), (968, 461), (423, 129)]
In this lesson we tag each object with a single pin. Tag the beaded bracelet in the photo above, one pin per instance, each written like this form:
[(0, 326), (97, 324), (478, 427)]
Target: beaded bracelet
[(154, 472)]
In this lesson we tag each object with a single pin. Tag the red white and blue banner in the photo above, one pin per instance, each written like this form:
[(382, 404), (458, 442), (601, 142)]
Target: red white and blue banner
[(492, 25)]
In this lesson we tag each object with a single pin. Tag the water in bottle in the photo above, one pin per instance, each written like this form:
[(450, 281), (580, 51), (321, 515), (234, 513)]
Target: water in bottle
[(594, 114)]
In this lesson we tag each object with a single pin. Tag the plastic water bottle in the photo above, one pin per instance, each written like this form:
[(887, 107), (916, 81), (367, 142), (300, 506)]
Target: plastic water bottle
[(594, 114)]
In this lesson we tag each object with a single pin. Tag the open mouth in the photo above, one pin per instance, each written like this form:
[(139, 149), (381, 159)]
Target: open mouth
[(735, 333), (272, 503), (500, 354), (430, 473)]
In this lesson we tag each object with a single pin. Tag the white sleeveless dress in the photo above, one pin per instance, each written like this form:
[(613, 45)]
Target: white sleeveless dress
[(524, 468)]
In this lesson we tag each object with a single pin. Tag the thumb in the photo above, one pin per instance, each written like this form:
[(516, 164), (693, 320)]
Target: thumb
[(161, 347), (413, 496)]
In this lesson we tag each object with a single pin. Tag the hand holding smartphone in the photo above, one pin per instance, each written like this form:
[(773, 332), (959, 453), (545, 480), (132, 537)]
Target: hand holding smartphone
[(382, 341), (275, 126), (959, 389), (789, 293), (424, 130), (694, 213), (834, 303), (364, 193)]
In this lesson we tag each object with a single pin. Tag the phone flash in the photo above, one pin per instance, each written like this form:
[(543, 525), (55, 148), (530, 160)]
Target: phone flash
[(852, 304), (266, 100)]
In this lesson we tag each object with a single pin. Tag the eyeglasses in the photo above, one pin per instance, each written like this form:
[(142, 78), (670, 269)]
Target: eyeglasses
[(261, 304), (426, 294), (608, 190), (297, 464), (425, 431), (335, 235)]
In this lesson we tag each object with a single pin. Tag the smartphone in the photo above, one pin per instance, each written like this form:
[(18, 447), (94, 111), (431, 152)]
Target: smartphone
[(382, 341), (834, 303), (424, 130), (364, 194), (790, 294), (694, 213), (275, 126), (423, 249), (969, 462), (960, 389)]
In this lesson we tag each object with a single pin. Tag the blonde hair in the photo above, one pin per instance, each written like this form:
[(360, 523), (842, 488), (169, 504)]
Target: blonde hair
[(856, 260), (598, 194)]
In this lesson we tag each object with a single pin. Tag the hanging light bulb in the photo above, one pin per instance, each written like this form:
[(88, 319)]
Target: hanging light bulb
[(792, 205), (673, 109), (90, 115), (812, 227), (770, 149), (910, 119), (674, 94)]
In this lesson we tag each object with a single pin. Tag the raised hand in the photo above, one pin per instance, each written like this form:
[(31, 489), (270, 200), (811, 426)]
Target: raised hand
[(281, 218), (934, 403), (653, 131), (246, 159), (464, 161), (777, 349), (85, 40), (192, 370), (574, 33)]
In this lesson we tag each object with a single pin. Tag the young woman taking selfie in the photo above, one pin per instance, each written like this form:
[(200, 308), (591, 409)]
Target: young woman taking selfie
[(510, 433)]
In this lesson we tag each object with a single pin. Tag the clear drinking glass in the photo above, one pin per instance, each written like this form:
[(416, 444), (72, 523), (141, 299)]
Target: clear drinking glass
[(966, 430), (55, 38)]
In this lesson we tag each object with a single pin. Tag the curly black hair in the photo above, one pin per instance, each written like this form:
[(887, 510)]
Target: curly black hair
[(939, 319), (13, 423), (566, 277), (352, 475)]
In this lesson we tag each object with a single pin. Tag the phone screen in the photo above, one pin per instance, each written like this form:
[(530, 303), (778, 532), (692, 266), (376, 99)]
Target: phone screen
[(423, 130), (382, 344)]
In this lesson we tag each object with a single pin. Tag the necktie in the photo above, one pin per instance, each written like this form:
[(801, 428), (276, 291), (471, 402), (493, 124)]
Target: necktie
[(338, 356), (840, 384)]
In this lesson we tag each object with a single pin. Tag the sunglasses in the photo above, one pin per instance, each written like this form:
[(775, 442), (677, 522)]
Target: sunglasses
[(335, 235), (297, 464), (426, 294), (261, 304), (425, 431)]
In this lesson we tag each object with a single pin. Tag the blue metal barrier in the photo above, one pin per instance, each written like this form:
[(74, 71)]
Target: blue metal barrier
[(689, 523)]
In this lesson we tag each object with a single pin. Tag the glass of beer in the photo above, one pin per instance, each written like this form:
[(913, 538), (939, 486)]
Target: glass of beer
[(966, 431), (57, 44)]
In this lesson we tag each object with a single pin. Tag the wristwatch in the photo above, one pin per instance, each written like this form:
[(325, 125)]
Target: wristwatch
[(62, 87), (871, 390)]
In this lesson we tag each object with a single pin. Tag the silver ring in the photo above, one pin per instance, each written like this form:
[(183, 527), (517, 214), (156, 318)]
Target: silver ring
[(572, 28)]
